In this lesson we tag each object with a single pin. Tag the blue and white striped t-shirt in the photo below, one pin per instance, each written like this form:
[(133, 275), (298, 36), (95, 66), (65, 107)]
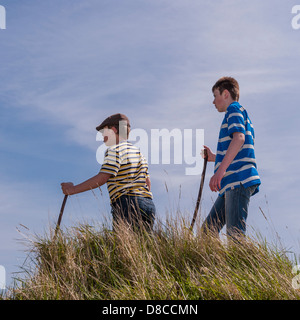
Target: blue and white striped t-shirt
[(243, 169)]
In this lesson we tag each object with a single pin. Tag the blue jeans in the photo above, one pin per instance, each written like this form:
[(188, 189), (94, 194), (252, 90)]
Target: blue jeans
[(136, 211), (230, 209)]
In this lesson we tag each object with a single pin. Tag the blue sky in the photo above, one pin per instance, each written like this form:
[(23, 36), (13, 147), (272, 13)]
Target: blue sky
[(66, 65)]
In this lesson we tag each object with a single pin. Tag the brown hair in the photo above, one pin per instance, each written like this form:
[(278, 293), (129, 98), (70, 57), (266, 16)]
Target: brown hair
[(230, 84)]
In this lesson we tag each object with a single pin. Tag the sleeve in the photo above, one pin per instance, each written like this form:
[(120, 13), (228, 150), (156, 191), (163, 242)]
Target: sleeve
[(111, 163), (145, 166), (235, 120)]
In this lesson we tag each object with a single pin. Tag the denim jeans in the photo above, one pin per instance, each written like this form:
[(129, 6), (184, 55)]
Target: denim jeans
[(136, 211), (230, 209)]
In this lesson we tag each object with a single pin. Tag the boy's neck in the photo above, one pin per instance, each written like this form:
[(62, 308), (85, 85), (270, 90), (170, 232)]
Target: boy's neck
[(230, 102), (114, 142), (120, 139)]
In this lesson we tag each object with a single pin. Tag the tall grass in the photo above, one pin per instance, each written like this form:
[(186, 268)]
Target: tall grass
[(86, 262)]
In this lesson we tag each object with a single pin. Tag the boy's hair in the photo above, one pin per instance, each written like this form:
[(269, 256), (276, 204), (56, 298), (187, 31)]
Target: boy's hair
[(230, 84)]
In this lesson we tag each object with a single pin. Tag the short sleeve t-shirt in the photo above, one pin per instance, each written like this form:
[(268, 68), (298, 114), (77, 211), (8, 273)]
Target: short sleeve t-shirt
[(129, 171), (243, 169)]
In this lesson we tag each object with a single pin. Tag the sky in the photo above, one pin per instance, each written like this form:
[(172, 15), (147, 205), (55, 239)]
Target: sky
[(67, 65)]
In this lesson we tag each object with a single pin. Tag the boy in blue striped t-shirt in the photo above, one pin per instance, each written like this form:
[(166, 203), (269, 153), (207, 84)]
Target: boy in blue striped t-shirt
[(235, 174)]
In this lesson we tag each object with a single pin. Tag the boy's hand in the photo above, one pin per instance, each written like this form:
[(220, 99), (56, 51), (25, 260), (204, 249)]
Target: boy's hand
[(211, 157), (67, 188), (215, 181)]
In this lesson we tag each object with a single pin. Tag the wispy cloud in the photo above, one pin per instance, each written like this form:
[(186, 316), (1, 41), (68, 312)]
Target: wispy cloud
[(77, 62)]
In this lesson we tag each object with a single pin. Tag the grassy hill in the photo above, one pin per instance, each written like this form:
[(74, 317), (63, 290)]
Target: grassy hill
[(88, 262)]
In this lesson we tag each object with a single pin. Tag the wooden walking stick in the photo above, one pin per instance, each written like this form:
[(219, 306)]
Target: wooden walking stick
[(200, 190), (60, 215)]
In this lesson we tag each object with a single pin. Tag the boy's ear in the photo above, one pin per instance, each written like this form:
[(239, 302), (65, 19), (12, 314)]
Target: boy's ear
[(114, 130), (225, 94)]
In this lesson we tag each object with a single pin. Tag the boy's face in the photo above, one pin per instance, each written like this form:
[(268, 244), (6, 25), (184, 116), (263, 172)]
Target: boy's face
[(220, 100), (109, 136)]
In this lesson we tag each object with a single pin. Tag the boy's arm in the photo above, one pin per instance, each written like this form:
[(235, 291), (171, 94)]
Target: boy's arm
[(148, 183), (92, 183), (233, 149)]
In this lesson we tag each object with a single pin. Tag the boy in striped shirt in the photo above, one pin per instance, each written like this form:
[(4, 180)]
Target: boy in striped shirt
[(235, 174), (125, 171)]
